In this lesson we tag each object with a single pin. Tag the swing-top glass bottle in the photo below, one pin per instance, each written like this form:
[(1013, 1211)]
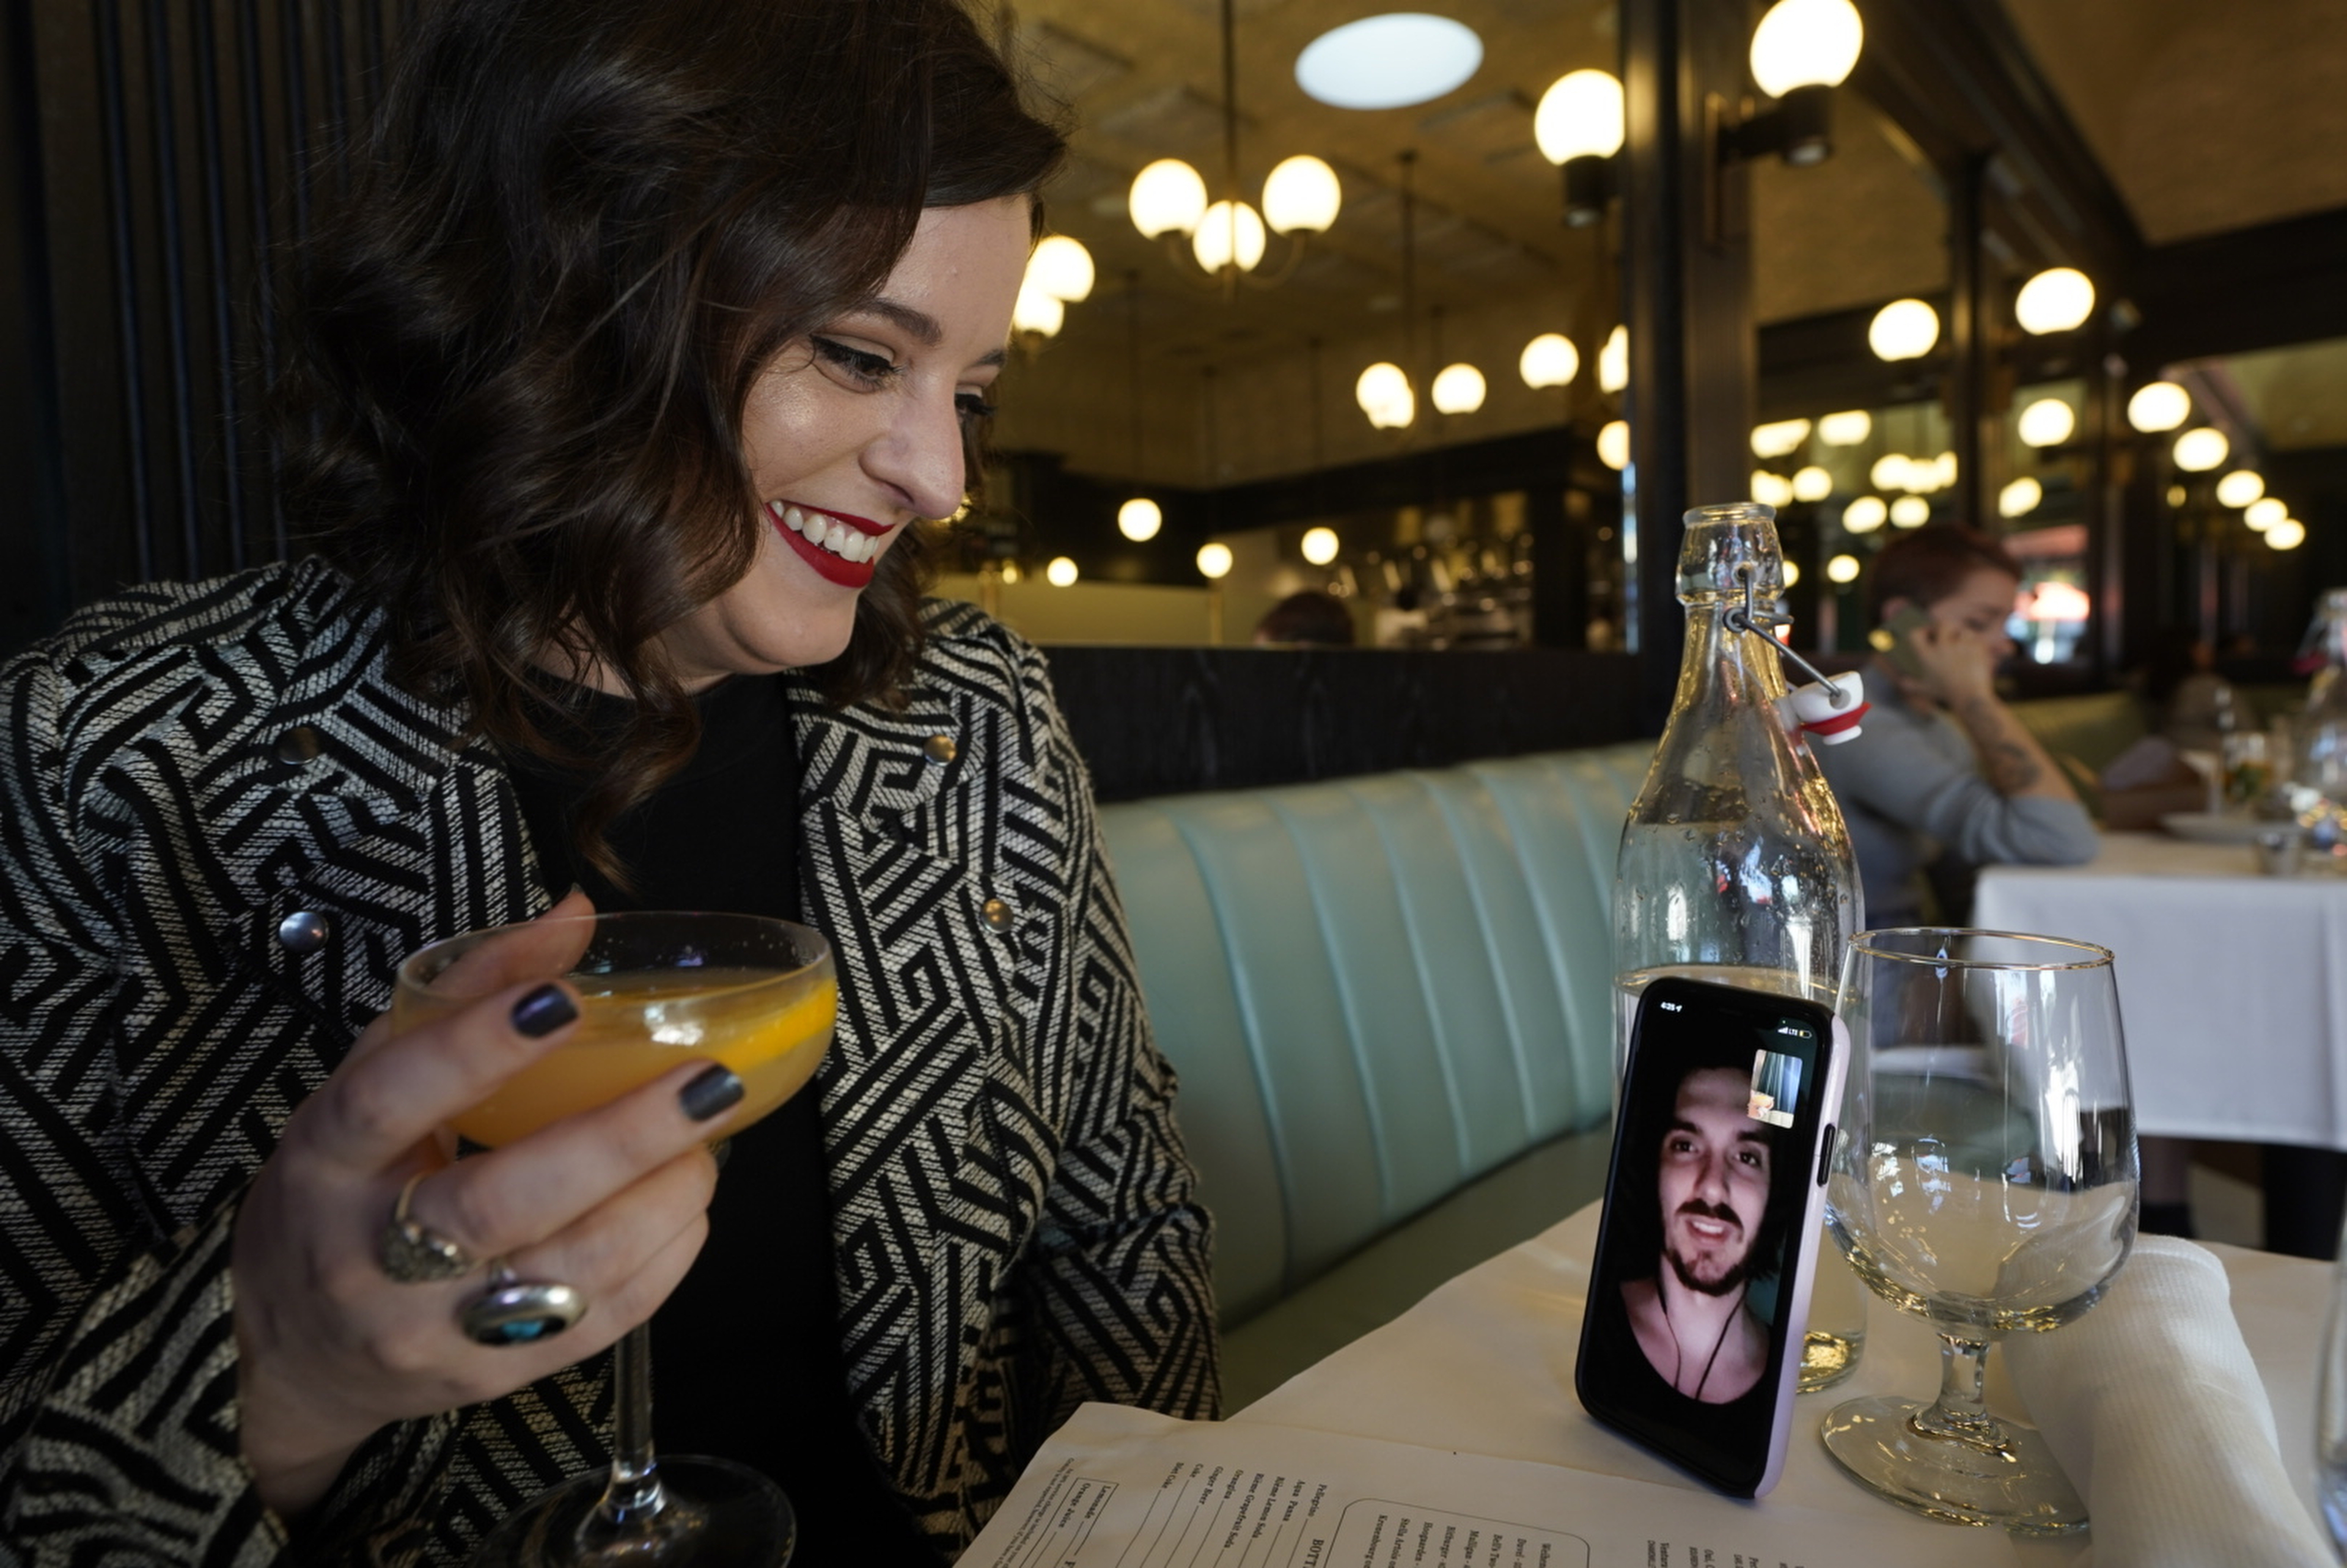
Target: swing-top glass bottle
[(1735, 865)]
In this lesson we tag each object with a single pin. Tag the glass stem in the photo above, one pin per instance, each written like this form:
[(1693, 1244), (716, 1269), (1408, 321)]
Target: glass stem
[(1960, 1415), (634, 1497)]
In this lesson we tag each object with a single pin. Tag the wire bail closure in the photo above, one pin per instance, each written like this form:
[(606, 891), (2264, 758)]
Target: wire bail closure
[(1831, 706)]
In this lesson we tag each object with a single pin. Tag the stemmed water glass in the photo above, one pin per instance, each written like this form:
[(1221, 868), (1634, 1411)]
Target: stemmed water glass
[(757, 995), (1986, 1183)]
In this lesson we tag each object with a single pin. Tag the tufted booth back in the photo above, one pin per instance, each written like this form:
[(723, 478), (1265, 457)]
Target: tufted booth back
[(1375, 990)]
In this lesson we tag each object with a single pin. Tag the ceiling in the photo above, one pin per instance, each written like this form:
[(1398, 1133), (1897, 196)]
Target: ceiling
[(2207, 118)]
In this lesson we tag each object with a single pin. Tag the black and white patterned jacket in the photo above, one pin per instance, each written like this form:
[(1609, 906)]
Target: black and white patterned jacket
[(196, 915)]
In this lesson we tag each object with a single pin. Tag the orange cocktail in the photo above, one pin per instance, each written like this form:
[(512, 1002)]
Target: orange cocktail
[(655, 990), (634, 1028)]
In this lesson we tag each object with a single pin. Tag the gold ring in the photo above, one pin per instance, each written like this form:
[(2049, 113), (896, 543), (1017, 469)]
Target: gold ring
[(413, 1255)]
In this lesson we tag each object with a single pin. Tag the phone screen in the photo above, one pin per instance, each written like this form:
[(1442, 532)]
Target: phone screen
[(1709, 1217)]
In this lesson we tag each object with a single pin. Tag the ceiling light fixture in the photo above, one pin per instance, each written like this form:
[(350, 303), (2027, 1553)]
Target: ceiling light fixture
[(1549, 360), (1214, 561), (1458, 389), (2159, 406), (1388, 62), (1780, 438), (2197, 451), (1909, 512), (1812, 484), (1227, 236), (1801, 51), (1849, 428), (1903, 328), (2048, 422), (1385, 395), (1613, 361), (1062, 268), (2239, 487), (2265, 512), (1139, 519), (2020, 497), (2057, 300), (1320, 546), (1579, 126), (1614, 444), (2286, 535), (1060, 573), (1864, 515), (1843, 569), (1385, 390)]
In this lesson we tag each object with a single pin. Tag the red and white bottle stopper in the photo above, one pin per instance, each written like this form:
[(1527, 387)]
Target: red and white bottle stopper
[(1814, 711)]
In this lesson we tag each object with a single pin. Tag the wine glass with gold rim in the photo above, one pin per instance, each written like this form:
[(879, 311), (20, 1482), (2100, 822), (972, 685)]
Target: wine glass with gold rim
[(1986, 1183), (757, 995)]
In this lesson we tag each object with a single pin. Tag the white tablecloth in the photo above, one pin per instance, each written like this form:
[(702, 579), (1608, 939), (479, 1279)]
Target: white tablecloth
[(2232, 986), (1485, 1366)]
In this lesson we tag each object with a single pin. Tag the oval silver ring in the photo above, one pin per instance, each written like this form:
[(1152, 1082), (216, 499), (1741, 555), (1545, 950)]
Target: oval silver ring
[(520, 1312)]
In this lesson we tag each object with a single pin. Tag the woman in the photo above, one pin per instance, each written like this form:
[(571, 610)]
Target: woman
[(622, 387), (1945, 778)]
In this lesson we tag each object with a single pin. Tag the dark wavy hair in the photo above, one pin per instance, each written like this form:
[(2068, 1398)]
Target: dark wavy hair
[(519, 350)]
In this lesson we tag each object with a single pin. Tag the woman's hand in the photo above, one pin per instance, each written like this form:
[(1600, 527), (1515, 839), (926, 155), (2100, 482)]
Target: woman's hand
[(610, 1202), (1958, 663)]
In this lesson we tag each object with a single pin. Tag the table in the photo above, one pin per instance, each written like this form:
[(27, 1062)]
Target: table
[(1485, 1366), (2232, 986)]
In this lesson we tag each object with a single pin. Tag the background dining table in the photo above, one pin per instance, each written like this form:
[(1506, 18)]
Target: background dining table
[(2232, 985), (2233, 991)]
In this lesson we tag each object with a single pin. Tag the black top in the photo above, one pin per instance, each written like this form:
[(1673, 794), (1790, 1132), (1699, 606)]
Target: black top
[(746, 1358)]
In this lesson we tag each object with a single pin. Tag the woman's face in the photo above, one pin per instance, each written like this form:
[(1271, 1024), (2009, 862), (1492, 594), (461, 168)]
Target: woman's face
[(854, 432), (1981, 604)]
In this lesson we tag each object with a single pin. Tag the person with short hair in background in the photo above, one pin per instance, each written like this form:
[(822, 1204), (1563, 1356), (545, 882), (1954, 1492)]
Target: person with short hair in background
[(1310, 618), (1946, 779)]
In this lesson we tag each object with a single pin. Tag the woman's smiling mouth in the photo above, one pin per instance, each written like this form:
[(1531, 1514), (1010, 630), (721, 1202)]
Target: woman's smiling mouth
[(839, 547)]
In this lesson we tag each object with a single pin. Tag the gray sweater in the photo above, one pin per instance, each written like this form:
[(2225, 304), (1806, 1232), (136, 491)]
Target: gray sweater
[(1912, 789)]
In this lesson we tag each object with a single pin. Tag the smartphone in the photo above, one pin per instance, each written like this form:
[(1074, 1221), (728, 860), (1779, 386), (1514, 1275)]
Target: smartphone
[(1691, 1344), (1895, 640)]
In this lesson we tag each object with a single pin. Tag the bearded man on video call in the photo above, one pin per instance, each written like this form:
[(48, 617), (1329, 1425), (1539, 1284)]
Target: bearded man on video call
[(1692, 1317)]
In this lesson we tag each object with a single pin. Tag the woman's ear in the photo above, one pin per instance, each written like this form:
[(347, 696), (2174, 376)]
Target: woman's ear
[(1891, 608)]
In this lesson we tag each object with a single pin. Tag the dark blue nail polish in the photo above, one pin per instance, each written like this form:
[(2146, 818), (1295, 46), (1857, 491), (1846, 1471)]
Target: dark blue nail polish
[(543, 1011), (716, 1090)]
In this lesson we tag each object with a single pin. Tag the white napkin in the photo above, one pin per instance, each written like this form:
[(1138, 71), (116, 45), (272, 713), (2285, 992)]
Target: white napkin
[(2154, 1409)]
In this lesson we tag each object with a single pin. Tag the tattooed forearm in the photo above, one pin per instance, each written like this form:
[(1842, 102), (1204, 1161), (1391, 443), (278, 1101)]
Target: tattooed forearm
[(2014, 763)]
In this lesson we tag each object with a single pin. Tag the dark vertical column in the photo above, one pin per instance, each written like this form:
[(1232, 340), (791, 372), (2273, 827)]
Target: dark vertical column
[(129, 325), (35, 571), (1560, 569), (169, 240), (1653, 282), (1688, 301), (1970, 340), (2106, 543)]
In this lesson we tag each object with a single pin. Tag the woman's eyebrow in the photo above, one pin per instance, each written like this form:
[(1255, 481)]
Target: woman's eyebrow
[(921, 327)]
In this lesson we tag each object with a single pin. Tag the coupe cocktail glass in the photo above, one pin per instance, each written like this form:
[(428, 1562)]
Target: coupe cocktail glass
[(755, 994)]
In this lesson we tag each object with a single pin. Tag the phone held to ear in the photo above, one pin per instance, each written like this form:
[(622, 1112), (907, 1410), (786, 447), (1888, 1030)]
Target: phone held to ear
[(1895, 640), (1691, 1343)]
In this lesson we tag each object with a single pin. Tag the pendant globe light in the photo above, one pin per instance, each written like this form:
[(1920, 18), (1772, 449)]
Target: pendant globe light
[(1384, 390), (1139, 519), (1228, 236)]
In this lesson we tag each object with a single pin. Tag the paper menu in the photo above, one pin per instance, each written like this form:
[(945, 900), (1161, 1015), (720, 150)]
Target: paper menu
[(1119, 1488)]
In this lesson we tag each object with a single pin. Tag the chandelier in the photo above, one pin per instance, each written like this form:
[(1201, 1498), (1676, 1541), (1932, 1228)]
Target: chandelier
[(1227, 237)]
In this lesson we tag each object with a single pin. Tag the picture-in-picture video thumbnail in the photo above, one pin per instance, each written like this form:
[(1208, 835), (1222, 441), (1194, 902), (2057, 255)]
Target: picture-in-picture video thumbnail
[(1776, 1088)]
